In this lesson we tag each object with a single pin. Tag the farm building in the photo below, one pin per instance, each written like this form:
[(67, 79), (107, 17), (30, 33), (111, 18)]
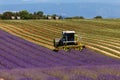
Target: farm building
[(57, 17), (12, 17), (18, 17), (49, 17), (15, 17)]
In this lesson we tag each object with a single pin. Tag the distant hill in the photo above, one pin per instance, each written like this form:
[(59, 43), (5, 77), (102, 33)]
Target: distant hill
[(88, 10)]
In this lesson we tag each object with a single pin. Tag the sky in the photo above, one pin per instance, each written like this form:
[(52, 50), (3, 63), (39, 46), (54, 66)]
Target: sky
[(87, 8), (5, 2)]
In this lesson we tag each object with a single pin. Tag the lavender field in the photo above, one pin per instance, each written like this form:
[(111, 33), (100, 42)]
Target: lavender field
[(23, 60), (26, 50)]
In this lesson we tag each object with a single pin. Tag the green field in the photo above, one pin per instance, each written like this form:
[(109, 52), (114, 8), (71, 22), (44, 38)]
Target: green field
[(102, 36)]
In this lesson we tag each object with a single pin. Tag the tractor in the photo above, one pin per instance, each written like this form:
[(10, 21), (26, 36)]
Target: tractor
[(68, 41)]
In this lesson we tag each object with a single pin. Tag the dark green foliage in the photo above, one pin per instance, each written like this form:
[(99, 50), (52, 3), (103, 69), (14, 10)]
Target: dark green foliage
[(24, 14), (0, 16), (98, 17), (38, 15), (75, 17), (7, 15)]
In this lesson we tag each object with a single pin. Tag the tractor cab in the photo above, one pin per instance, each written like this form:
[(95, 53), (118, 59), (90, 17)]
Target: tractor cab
[(68, 37)]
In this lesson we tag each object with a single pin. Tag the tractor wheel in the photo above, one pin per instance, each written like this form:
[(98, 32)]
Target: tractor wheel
[(83, 46)]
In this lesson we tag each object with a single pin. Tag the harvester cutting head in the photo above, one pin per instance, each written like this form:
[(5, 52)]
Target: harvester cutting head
[(68, 41)]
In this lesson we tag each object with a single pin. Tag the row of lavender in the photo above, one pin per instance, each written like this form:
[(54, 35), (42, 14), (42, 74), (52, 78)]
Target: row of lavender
[(103, 72), (18, 53)]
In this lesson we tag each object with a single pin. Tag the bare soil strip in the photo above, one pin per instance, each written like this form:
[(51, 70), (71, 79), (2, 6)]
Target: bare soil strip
[(105, 47), (103, 41), (103, 38), (107, 53)]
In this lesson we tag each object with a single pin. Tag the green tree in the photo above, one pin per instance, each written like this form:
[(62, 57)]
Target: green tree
[(98, 17), (0, 16), (17, 14), (40, 13), (75, 17), (7, 15), (61, 17), (24, 14), (81, 17)]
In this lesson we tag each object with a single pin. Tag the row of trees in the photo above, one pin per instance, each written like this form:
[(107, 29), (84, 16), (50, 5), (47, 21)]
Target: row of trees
[(76, 17), (81, 17), (24, 14)]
